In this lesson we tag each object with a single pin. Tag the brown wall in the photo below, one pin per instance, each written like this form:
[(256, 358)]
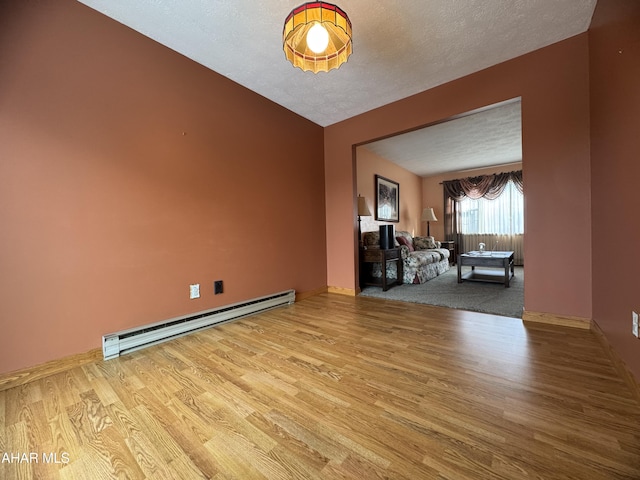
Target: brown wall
[(128, 172), (433, 195), (368, 165), (614, 46), (554, 86)]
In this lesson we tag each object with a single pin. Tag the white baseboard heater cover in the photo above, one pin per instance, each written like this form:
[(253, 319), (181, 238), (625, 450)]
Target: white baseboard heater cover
[(126, 341)]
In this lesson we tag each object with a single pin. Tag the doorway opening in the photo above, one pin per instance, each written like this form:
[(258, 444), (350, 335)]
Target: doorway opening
[(482, 142)]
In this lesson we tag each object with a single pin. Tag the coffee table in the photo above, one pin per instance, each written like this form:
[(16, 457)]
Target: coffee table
[(487, 260)]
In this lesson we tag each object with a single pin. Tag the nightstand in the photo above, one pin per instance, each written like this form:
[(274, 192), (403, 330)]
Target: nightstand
[(451, 246), (382, 256)]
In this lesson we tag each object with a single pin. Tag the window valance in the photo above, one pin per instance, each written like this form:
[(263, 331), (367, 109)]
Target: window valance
[(483, 186)]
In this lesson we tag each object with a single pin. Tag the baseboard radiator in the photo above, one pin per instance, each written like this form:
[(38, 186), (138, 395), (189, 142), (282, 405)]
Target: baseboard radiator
[(127, 341)]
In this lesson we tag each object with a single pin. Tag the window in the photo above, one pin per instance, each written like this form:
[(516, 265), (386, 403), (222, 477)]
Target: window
[(502, 216)]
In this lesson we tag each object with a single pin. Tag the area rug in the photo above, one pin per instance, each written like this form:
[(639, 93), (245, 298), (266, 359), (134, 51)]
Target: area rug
[(445, 291)]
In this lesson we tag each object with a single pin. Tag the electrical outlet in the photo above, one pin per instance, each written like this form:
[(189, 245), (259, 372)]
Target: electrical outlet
[(217, 287), (194, 291), (634, 323)]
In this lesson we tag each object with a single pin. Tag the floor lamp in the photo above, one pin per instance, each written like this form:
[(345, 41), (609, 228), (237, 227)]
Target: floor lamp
[(363, 211), (428, 216)]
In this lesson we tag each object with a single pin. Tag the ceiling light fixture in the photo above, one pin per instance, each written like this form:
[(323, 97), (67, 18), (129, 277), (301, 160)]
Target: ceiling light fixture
[(317, 37)]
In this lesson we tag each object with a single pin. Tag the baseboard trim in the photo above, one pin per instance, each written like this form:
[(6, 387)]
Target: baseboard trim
[(619, 364), (343, 291), (559, 320), (311, 293), (24, 376)]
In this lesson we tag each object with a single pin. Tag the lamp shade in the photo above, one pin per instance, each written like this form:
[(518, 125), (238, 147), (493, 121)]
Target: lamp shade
[(363, 209), (428, 215), (317, 37)]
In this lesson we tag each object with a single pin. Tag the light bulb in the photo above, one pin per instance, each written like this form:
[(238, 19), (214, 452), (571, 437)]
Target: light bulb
[(317, 38)]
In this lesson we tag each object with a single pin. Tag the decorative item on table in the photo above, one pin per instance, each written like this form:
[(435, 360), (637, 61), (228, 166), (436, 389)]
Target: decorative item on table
[(481, 247), (428, 215), (363, 211), (387, 237)]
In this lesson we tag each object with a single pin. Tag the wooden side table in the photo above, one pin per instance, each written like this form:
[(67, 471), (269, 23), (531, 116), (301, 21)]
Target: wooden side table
[(451, 246), (382, 256)]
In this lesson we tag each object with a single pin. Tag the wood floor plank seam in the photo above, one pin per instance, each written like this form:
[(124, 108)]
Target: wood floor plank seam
[(336, 386)]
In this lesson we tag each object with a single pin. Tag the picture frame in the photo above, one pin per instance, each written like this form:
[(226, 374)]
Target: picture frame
[(387, 199)]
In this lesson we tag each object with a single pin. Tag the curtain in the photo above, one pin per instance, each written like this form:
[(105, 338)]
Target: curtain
[(484, 186), (488, 187), (503, 215)]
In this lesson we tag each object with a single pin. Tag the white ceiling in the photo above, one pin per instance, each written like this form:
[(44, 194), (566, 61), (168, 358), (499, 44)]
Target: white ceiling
[(490, 137), (400, 47)]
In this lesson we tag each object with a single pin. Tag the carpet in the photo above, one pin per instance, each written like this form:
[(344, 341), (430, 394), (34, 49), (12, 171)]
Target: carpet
[(445, 291)]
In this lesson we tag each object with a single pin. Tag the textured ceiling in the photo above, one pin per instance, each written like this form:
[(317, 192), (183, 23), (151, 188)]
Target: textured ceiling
[(483, 139), (400, 47)]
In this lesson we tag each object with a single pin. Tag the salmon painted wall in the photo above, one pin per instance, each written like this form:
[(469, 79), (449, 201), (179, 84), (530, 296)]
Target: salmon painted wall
[(368, 165), (433, 195), (554, 86), (614, 46), (127, 173)]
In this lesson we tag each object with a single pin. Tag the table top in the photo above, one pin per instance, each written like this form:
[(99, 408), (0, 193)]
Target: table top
[(505, 254), (377, 254)]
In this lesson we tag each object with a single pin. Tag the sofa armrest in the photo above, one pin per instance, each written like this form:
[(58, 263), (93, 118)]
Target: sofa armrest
[(404, 252)]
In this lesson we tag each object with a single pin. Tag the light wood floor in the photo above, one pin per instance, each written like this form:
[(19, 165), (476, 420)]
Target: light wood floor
[(336, 387)]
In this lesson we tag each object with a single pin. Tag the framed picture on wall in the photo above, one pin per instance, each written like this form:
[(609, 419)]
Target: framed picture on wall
[(387, 200)]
